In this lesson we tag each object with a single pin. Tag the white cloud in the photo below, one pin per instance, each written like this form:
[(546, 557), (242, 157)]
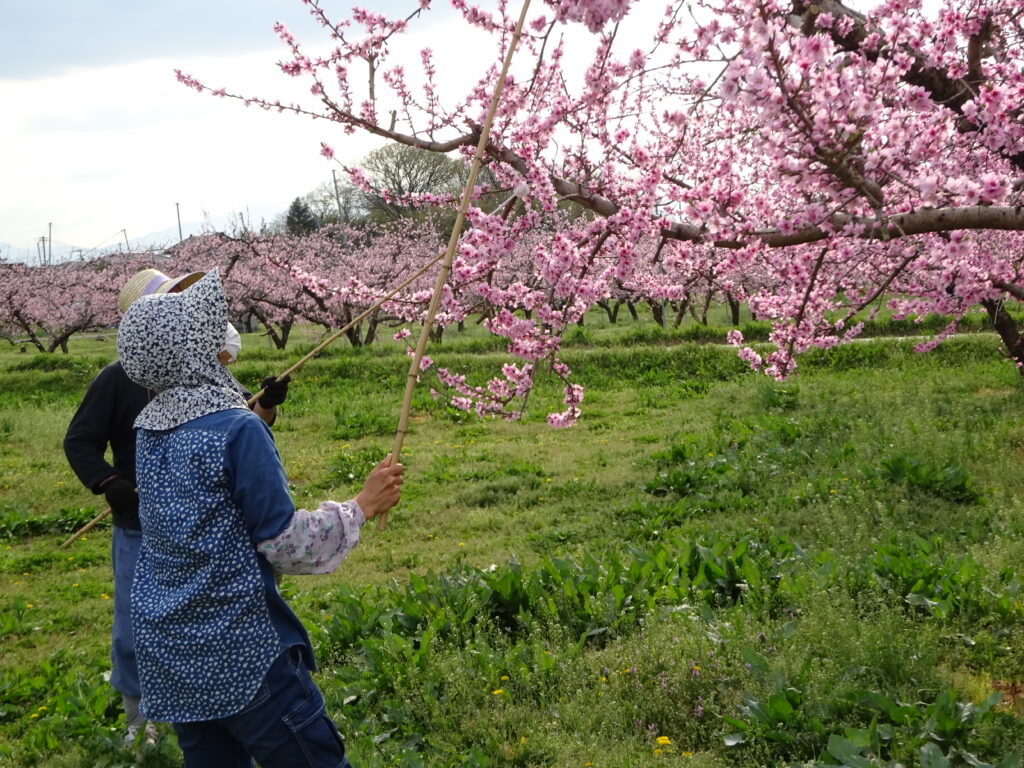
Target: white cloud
[(105, 149)]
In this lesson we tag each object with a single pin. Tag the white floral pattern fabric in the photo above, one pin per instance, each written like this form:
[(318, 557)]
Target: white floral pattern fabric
[(316, 542), (169, 343), (205, 633)]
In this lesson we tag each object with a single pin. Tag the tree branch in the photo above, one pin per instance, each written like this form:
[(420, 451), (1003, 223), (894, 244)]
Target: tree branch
[(950, 92)]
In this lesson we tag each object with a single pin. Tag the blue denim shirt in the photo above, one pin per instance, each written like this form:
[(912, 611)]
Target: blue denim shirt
[(207, 617)]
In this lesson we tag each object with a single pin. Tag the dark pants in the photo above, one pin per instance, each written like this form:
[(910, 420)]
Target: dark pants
[(284, 726)]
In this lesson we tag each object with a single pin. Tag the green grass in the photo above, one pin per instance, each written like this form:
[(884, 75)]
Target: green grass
[(819, 572)]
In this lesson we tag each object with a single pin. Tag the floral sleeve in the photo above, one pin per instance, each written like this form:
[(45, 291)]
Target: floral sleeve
[(317, 541)]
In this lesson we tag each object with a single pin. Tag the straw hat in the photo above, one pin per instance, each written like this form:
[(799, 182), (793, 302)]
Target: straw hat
[(153, 281)]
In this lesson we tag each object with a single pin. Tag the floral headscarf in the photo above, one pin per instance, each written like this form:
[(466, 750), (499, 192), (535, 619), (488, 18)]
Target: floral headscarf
[(169, 343)]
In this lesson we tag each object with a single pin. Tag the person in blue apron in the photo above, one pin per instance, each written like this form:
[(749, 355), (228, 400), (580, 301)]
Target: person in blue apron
[(220, 654)]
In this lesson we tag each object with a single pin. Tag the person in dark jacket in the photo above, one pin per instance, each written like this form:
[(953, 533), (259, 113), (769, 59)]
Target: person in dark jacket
[(106, 417)]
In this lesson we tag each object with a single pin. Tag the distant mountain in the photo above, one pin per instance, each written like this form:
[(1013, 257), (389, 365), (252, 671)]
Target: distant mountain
[(156, 240)]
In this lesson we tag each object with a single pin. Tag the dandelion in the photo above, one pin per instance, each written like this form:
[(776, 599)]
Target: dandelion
[(104, 596), (687, 754), (497, 691), (663, 741), (462, 543), (504, 677)]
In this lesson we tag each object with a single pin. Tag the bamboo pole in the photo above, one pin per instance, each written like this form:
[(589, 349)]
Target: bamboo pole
[(359, 318), (447, 256), (442, 277), (87, 527), (305, 359)]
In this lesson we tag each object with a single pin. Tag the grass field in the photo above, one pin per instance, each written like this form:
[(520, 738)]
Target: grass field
[(710, 569)]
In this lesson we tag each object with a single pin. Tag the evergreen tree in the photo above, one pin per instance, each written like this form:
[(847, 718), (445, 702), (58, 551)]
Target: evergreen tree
[(300, 219)]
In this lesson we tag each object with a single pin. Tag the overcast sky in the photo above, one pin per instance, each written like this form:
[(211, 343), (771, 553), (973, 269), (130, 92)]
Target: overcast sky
[(97, 136), (99, 139)]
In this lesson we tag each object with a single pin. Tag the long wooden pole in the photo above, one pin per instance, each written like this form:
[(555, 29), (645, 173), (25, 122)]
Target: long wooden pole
[(373, 308), (447, 256), (359, 318), (87, 527), (442, 277)]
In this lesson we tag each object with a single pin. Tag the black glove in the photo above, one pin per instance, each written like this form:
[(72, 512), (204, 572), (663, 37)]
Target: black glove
[(274, 392), (124, 502)]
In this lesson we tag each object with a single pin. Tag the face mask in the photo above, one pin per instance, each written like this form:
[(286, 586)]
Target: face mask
[(232, 343)]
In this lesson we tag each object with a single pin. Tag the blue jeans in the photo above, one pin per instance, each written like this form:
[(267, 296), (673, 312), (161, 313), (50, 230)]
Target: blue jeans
[(124, 554), (284, 726)]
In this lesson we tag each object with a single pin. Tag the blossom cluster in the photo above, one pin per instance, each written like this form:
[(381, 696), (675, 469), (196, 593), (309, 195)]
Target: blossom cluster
[(811, 161)]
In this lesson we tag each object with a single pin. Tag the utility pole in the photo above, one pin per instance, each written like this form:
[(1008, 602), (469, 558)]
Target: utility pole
[(127, 248), (337, 197), (51, 243), (177, 207)]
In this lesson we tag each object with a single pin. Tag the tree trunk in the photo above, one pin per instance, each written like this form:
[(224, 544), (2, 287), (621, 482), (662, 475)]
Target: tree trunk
[(1007, 330), (611, 310), (27, 328), (632, 311), (681, 312), (61, 341), (286, 329), (658, 310), (702, 318), (354, 335), (371, 328), (279, 339), (734, 308)]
